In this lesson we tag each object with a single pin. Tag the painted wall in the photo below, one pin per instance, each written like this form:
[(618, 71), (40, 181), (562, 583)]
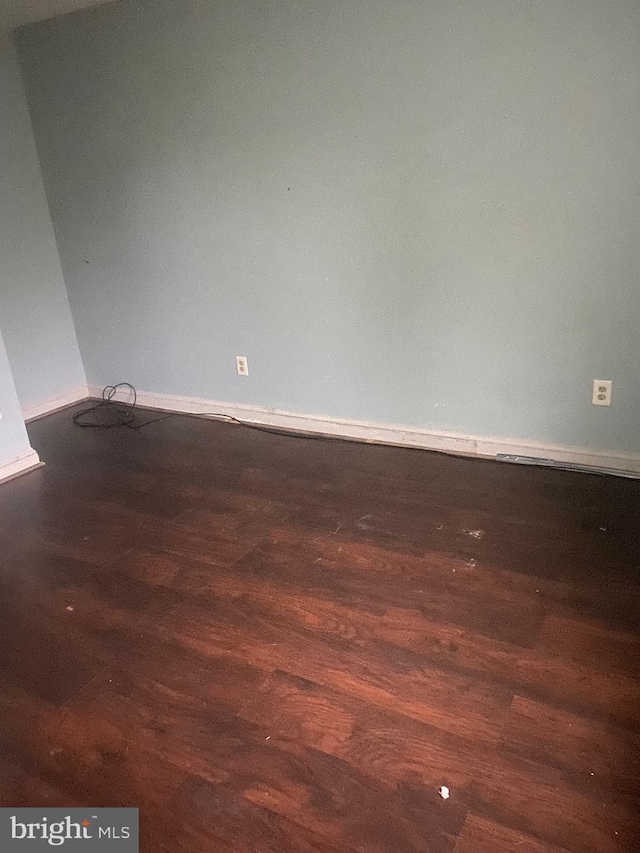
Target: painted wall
[(35, 318), (14, 441), (423, 212)]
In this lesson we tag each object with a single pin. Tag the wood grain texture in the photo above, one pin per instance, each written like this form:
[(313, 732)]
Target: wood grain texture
[(481, 834), (269, 644)]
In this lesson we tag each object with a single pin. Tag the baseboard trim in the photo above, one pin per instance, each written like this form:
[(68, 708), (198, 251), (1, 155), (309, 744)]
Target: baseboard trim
[(626, 464), (20, 464), (45, 407)]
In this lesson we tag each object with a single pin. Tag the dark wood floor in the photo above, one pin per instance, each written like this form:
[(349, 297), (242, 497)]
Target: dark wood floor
[(272, 644)]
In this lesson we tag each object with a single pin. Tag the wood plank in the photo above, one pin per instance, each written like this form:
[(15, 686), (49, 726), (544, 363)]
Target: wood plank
[(386, 676), (209, 817), (318, 793), (525, 796), (478, 833), (591, 644), (96, 753), (274, 644), (594, 754)]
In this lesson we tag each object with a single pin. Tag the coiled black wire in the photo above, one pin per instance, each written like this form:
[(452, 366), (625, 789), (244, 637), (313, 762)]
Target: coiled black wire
[(109, 413)]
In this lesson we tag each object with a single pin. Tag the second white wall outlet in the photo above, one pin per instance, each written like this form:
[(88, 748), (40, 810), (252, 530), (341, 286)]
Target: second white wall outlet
[(601, 395), (242, 366)]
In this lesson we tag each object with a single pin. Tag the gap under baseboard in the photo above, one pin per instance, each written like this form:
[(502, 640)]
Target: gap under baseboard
[(512, 450)]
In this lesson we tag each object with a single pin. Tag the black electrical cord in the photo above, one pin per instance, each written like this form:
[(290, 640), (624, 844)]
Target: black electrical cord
[(112, 413), (116, 413)]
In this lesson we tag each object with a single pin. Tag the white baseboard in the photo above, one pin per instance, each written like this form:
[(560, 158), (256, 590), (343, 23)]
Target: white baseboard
[(19, 465), (396, 434), (52, 404)]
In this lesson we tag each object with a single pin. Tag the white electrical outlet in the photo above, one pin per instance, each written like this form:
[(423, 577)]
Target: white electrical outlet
[(241, 365), (601, 392)]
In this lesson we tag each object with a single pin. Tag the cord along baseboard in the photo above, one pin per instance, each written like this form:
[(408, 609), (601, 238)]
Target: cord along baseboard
[(514, 450)]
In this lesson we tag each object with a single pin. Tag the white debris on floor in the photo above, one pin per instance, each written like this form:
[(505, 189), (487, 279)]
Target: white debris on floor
[(444, 792), (475, 534)]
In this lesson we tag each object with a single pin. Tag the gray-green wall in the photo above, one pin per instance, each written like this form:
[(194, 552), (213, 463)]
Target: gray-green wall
[(14, 441), (423, 212), (35, 318)]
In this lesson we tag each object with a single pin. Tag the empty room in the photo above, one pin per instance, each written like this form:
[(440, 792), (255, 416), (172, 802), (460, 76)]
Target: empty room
[(320, 426)]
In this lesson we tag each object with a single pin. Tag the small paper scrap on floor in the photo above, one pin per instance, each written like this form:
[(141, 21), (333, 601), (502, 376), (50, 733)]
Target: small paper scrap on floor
[(70, 609), (444, 792), (475, 534)]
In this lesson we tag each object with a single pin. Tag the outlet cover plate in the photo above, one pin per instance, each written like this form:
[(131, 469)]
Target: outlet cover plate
[(601, 395)]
